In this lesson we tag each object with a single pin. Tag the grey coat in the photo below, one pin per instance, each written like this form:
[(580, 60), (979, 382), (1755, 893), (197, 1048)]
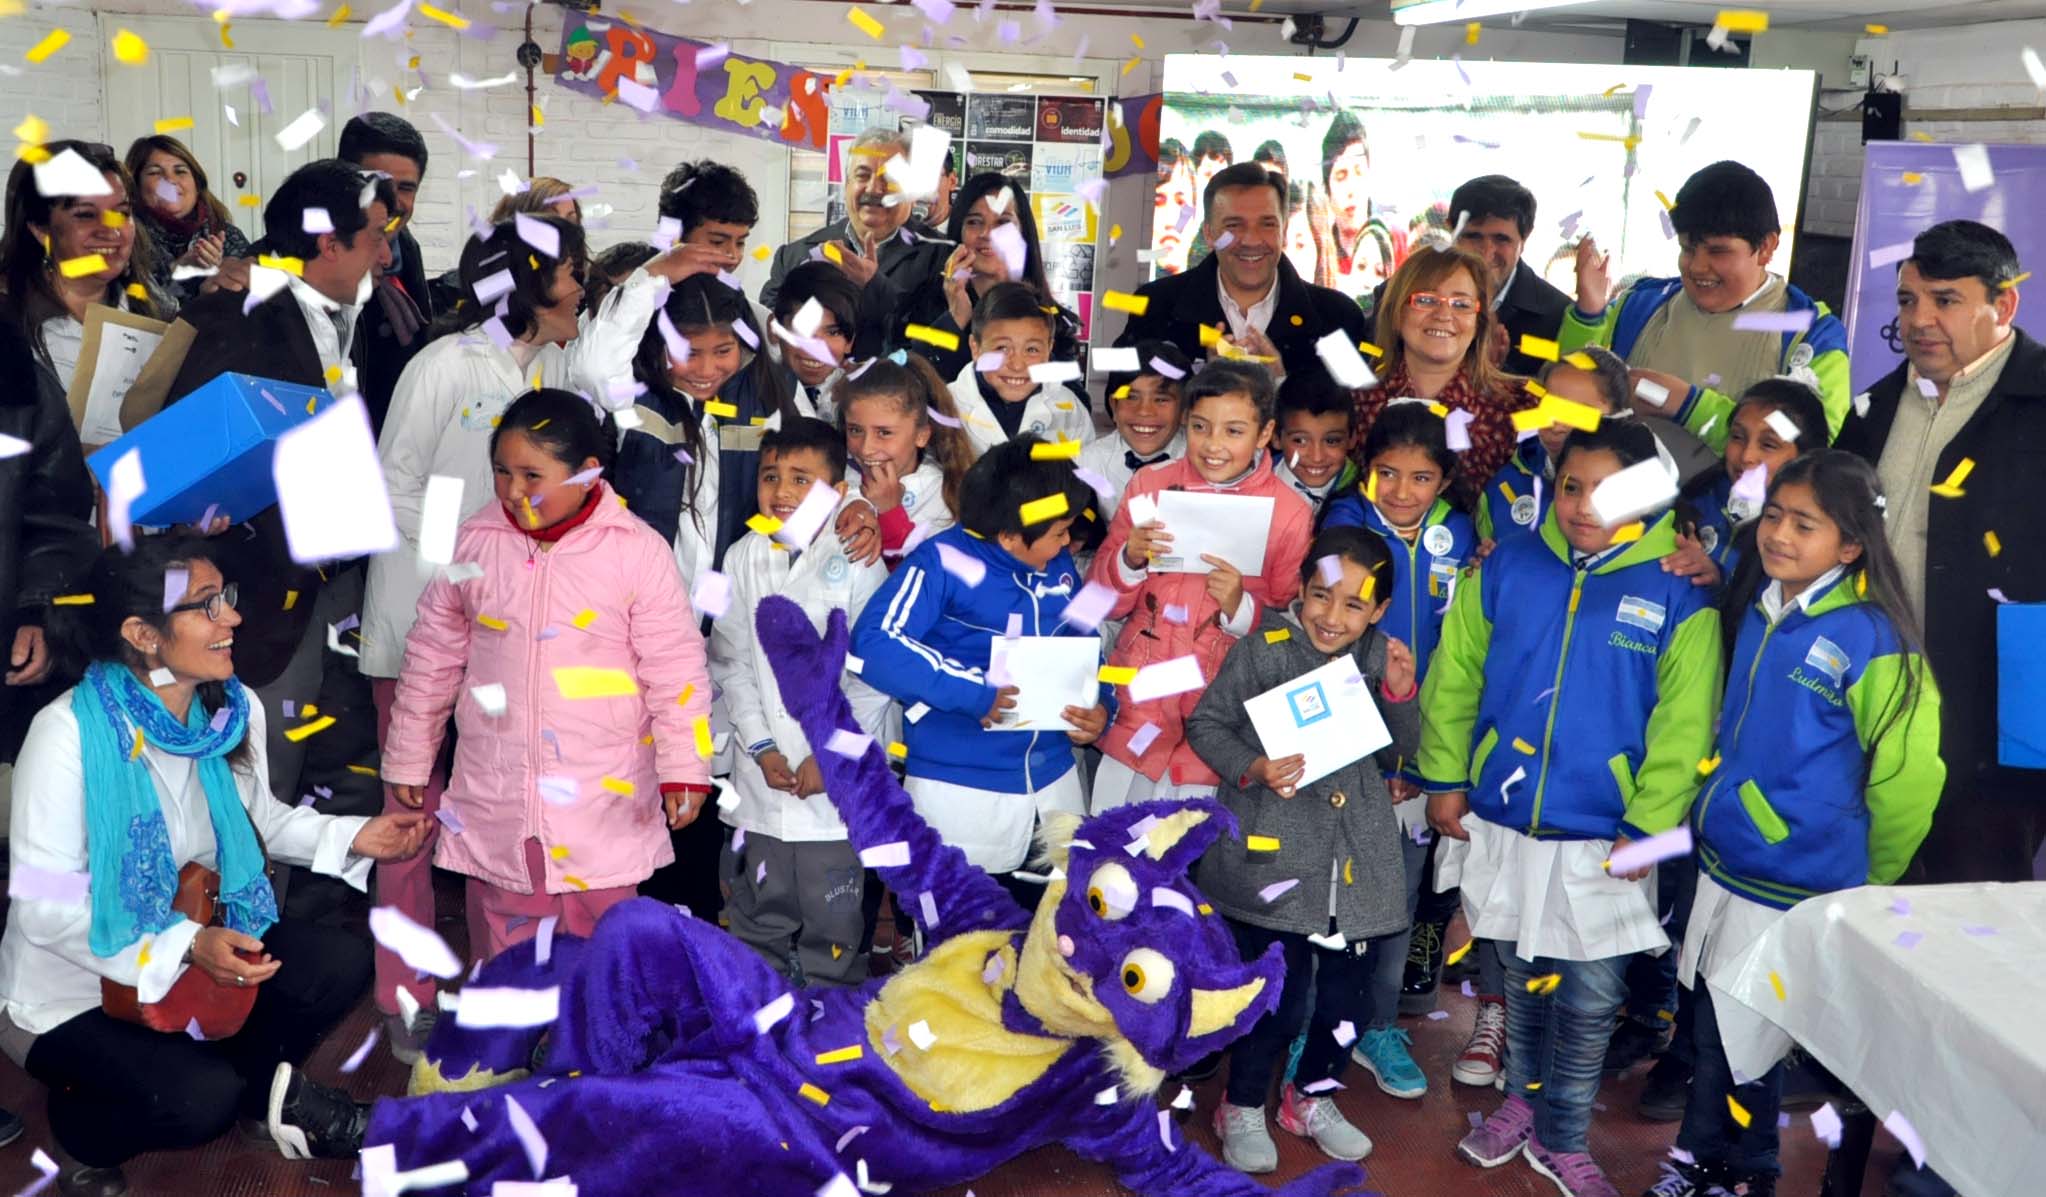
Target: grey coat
[(1317, 834)]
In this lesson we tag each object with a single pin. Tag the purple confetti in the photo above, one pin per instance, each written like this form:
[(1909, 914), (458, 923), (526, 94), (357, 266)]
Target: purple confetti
[(1437, 1015), (1326, 1084), (1144, 738), (547, 633), (1905, 1133), (1089, 607), (522, 1124), (449, 819), (1476, 1119), (962, 565), (1826, 1125), (27, 881), (1641, 95), (1641, 854), (1909, 939), (192, 1029), (1774, 322), (1015, 626), (1901, 907), (1165, 1128), (559, 791), (543, 941), (927, 905), (176, 583), (713, 594), (1978, 930), (355, 1058), (1101, 485), (1669, 231), (1176, 613), (1329, 569), (469, 1119), (1457, 430), (993, 971), (1468, 991), (1277, 889), (937, 12)]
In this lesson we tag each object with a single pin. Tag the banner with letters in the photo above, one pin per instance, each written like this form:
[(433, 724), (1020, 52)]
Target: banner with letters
[(692, 81)]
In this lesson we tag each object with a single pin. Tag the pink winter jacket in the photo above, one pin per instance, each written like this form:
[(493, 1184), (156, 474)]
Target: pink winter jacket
[(1148, 637), (581, 775)]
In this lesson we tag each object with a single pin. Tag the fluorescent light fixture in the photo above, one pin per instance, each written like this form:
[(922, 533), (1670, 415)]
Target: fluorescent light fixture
[(1442, 12)]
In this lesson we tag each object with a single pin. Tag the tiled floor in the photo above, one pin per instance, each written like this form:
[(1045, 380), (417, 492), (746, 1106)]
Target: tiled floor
[(1412, 1157)]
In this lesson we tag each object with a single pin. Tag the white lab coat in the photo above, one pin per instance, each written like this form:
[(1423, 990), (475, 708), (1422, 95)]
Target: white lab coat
[(1050, 412), (48, 973)]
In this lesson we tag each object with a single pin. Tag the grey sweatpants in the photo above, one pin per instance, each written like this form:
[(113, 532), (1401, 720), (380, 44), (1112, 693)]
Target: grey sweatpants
[(799, 905)]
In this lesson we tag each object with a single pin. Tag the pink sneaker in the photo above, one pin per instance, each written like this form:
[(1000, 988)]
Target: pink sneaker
[(1500, 1137), (1576, 1174)]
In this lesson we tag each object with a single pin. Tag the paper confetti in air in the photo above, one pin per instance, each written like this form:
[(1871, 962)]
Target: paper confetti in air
[(591, 681), (1145, 736), (1633, 492), (490, 697), (1900, 1127), (499, 1007), (807, 520), (1544, 985), (419, 947), (1346, 1033), (1344, 363), (886, 856), (1640, 854), (848, 744), (301, 130), (330, 455), (1973, 163), (27, 881), (1122, 301), (1176, 676), (521, 1122), (961, 565), (1826, 1125), (1774, 322), (1652, 392), (1089, 607), (765, 1018), (1045, 510)]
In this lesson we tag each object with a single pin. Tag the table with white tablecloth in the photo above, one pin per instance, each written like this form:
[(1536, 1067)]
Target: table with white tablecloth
[(1929, 1001)]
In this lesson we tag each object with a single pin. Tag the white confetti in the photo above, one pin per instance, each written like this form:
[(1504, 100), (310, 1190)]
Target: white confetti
[(1176, 676), (1641, 488), (1973, 163), (306, 127), (491, 697), (419, 947), (886, 856), (440, 514), (920, 1033), (499, 1006), (1344, 363), (765, 1018), (330, 486), (68, 173)]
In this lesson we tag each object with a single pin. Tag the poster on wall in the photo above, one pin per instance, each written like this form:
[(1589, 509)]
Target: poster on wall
[(1049, 144), (1371, 150), (1906, 188)]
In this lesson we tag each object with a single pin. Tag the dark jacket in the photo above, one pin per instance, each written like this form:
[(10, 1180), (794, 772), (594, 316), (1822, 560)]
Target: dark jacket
[(914, 256), (2006, 438), (47, 543), (1359, 838), (387, 335), (1182, 303), (271, 341), (1532, 308)]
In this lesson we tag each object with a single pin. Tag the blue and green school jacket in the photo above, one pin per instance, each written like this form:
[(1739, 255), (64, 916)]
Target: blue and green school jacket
[(1715, 526), (1573, 703), (1826, 779), (1822, 346), (1424, 573), (1517, 498)]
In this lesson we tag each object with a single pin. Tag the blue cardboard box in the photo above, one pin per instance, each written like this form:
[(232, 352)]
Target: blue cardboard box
[(212, 449), (2021, 685)]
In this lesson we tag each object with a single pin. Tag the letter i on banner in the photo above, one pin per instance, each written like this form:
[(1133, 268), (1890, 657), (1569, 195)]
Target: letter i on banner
[(681, 93)]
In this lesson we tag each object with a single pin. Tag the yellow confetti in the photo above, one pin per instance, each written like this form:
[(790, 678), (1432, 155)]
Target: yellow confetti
[(584, 618), (71, 600), (1460, 953), (932, 336), (312, 402), (559, 852), (1131, 65), (1210, 335), (130, 50), (617, 786), (142, 958), (1262, 843), (1523, 747), (1441, 410), (1276, 635), (113, 219), (365, 770), (249, 201), (1739, 1112), (575, 881), (1912, 178), (762, 252), (1536, 389), (309, 710), (1544, 985), (225, 40), (682, 699), (1060, 450), (1571, 413), (1582, 361), (288, 265), (1992, 543), (841, 1055), (450, 19), (763, 523), (308, 729), (1349, 870), (340, 15), (1951, 488), (53, 41), (1742, 20), (1117, 675), (2008, 283), (81, 266), (1776, 983), (1138, 39), (1123, 301), (1629, 534), (1040, 511), (290, 599), (809, 1090), (1303, 76), (721, 409), (1368, 589), (1876, 30), (1539, 347), (1667, 205), (33, 129), (705, 746), (1706, 766), (898, 749), (138, 290), (1470, 33), (593, 681), (136, 751), (864, 21)]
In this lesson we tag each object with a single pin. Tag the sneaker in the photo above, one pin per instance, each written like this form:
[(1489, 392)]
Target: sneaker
[(1483, 1059), (11, 1127), (1424, 969), (1576, 1174), (1500, 1137), (1666, 1091), (408, 1043), (310, 1121), (1246, 1143), (1317, 1118), (82, 1180), (1632, 1043), (1384, 1054), (1681, 1179)]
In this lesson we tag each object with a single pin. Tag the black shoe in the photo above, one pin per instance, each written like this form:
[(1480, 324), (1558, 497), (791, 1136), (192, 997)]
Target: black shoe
[(1424, 969), (311, 1121), (80, 1180), (1754, 1184), (1679, 1179), (1465, 969), (1667, 1089), (1631, 1044), (1199, 1071), (1805, 1083)]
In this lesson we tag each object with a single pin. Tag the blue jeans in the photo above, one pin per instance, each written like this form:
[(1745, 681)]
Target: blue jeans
[(1653, 999), (1556, 1043), (1709, 1132), (1386, 959)]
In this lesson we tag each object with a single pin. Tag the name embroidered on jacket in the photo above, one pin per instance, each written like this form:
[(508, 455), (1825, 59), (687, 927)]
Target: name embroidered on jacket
[(1620, 640)]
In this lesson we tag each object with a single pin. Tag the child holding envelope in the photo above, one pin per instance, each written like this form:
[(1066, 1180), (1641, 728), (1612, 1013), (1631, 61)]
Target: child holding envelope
[(1177, 601), (1318, 868)]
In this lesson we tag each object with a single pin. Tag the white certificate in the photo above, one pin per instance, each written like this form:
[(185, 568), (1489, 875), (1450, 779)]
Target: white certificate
[(116, 346), (1232, 527), (1327, 716), (1050, 673)]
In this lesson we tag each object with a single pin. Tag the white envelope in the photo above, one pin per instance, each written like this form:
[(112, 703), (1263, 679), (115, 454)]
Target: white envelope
[(1327, 715), (1232, 527), (1050, 674)]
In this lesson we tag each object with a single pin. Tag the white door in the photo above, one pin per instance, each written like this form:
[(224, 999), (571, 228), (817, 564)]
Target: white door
[(300, 65)]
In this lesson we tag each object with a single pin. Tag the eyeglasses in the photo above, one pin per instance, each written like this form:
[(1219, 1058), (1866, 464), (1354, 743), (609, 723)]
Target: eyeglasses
[(223, 599), (1428, 301)]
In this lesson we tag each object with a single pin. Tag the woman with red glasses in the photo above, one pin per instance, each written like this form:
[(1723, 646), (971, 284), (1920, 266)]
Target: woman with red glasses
[(1434, 322)]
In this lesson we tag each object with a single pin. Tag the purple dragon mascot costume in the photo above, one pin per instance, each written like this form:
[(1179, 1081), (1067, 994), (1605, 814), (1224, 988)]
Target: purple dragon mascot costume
[(680, 1061)]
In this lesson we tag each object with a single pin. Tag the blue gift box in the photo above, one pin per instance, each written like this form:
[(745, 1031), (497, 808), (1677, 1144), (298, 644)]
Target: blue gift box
[(212, 449), (2021, 685)]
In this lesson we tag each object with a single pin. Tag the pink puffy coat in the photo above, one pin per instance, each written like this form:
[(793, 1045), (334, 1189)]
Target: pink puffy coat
[(1148, 637), (578, 774)]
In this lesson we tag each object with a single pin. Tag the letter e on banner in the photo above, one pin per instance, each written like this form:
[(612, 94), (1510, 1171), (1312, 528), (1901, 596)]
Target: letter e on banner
[(742, 104)]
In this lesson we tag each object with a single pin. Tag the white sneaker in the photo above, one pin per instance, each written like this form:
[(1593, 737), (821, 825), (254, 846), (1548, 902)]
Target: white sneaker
[(1318, 1119), (1246, 1142)]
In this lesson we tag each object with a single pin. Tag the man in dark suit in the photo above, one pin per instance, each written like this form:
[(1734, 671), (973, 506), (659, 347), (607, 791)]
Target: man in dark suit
[(878, 245), (1495, 215), (394, 322), (1246, 288), (1972, 387)]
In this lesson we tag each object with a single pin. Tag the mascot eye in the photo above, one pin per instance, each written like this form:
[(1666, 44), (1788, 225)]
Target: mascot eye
[(1146, 975), (1111, 891)]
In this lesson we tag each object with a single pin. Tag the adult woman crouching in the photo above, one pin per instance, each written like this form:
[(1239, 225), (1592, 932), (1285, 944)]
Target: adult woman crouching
[(151, 764)]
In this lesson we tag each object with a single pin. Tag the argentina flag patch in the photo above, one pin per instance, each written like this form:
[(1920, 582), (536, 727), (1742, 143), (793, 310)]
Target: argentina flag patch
[(1641, 613), (1828, 658)]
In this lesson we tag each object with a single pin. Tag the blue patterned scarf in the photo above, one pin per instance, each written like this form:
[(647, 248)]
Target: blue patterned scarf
[(125, 833)]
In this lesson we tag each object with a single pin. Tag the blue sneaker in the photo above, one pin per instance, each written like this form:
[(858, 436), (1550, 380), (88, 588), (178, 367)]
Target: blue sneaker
[(1384, 1054)]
